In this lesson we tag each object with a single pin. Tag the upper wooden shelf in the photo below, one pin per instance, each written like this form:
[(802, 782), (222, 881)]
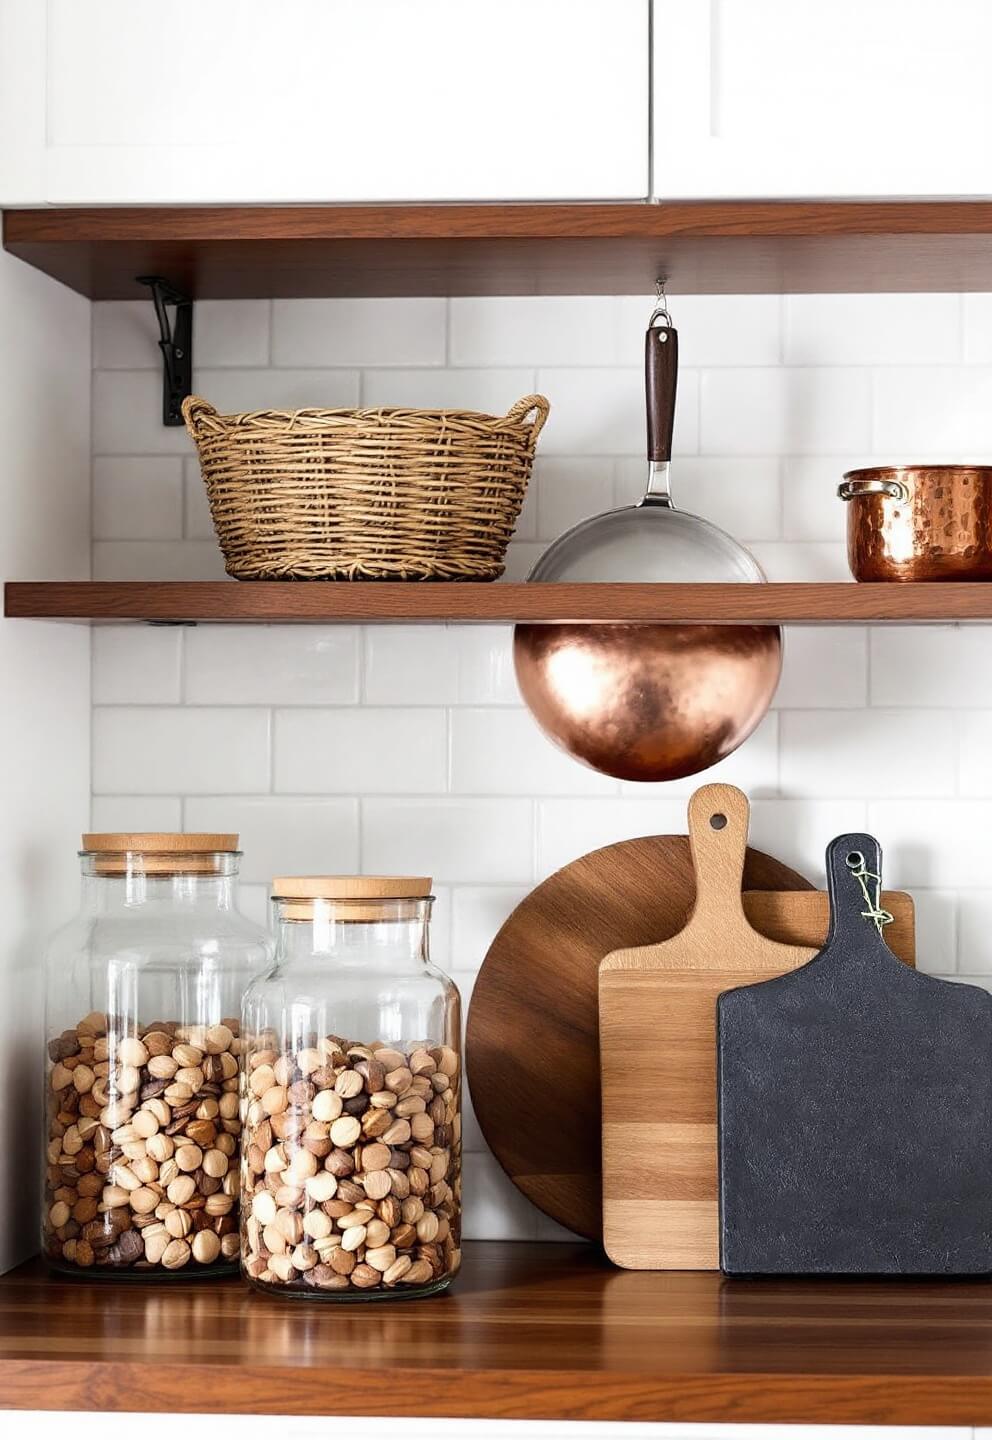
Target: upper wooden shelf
[(329, 602), (725, 247), (536, 1332)]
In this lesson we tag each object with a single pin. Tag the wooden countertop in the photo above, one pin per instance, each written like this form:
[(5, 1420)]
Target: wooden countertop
[(527, 1332)]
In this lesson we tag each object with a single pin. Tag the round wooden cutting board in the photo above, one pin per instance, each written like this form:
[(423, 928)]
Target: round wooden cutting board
[(532, 1048)]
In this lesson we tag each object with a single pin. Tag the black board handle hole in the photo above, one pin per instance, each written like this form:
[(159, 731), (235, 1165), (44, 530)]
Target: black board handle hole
[(855, 860), (718, 821)]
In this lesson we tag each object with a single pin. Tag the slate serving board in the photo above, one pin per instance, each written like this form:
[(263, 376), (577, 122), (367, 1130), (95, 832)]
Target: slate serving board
[(855, 1109)]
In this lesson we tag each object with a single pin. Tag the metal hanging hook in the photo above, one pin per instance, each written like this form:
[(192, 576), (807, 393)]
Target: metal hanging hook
[(660, 311)]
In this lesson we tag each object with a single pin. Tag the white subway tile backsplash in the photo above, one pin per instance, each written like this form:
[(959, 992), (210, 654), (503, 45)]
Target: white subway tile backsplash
[(233, 390), (272, 665), (128, 814), (601, 412), (931, 665), (872, 329), (975, 931), (934, 412), (231, 332), (533, 330), (503, 752), (127, 414), (490, 391), (977, 329), (137, 665), (358, 332), (974, 735), (784, 412), (478, 912), (360, 751), (872, 753), (567, 829), (938, 843), (712, 329), (125, 335), (743, 497), (571, 490), (455, 840), (811, 507), (936, 929), (137, 498), (157, 560), (485, 665), (284, 836), (811, 563), (410, 665), (823, 666), (176, 750), (797, 831)]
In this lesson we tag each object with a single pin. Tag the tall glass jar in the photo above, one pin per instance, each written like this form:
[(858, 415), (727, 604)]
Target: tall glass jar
[(143, 1000), (351, 1163)]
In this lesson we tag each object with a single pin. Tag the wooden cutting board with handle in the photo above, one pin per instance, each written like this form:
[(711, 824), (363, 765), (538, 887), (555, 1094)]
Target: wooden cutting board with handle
[(856, 1106), (657, 1017)]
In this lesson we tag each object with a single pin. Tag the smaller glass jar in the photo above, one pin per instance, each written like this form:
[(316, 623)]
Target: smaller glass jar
[(351, 1158), (142, 1109)]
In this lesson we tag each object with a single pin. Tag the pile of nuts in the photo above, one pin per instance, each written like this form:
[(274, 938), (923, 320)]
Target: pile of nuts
[(142, 1163), (351, 1167)]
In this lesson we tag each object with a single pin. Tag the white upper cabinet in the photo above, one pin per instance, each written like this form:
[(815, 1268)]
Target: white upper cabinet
[(328, 100), (792, 98)]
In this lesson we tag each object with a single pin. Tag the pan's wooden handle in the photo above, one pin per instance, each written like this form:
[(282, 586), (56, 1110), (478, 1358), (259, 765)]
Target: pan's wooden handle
[(661, 373), (719, 816)]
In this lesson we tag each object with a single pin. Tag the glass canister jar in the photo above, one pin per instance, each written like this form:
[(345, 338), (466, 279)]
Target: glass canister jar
[(351, 1159), (143, 1000)]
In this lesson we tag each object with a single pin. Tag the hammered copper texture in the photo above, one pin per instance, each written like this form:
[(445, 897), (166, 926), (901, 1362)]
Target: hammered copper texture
[(648, 702), (942, 530)]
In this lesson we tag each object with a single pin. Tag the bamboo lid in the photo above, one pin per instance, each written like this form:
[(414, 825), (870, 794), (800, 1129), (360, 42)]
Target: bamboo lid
[(163, 854), (158, 843), (361, 897), (352, 887)]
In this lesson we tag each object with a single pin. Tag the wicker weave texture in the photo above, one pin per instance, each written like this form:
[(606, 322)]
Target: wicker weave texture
[(365, 494)]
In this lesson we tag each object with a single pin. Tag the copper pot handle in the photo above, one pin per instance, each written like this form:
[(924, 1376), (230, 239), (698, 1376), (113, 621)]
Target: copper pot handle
[(894, 489)]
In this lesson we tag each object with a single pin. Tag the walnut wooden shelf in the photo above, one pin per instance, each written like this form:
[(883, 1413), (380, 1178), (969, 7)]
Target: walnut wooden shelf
[(527, 1332), (716, 247), (327, 602)]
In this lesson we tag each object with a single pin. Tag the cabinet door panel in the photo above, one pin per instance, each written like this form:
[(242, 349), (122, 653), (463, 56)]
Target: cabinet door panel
[(311, 100), (792, 98)]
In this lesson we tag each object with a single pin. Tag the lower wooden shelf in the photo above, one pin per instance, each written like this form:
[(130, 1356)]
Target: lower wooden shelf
[(526, 1332), (329, 602)]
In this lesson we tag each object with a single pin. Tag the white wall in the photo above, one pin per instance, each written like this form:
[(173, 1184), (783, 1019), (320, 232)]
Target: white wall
[(44, 692), (395, 748)]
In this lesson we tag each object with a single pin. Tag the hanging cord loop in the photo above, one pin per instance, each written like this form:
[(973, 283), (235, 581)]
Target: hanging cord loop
[(871, 889)]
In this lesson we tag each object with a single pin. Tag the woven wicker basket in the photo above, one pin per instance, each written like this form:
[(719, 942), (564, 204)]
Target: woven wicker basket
[(365, 494)]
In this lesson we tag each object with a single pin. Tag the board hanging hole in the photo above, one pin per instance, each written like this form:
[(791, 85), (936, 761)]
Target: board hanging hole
[(855, 860), (718, 821)]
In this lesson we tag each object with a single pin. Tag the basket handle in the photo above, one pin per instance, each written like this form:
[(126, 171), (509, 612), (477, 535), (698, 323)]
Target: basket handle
[(537, 403), (196, 410)]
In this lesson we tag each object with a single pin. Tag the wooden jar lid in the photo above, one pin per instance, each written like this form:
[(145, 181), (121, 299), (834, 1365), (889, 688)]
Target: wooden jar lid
[(153, 843), (358, 895), (352, 887), (164, 854)]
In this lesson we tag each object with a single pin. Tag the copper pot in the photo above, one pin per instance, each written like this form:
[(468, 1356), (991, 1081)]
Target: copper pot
[(919, 522)]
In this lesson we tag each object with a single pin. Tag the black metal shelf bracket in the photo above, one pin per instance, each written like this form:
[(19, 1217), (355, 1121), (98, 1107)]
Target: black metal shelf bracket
[(176, 345)]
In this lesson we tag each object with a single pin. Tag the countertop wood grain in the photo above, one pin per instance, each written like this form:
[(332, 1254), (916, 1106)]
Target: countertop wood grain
[(527, 1332)]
